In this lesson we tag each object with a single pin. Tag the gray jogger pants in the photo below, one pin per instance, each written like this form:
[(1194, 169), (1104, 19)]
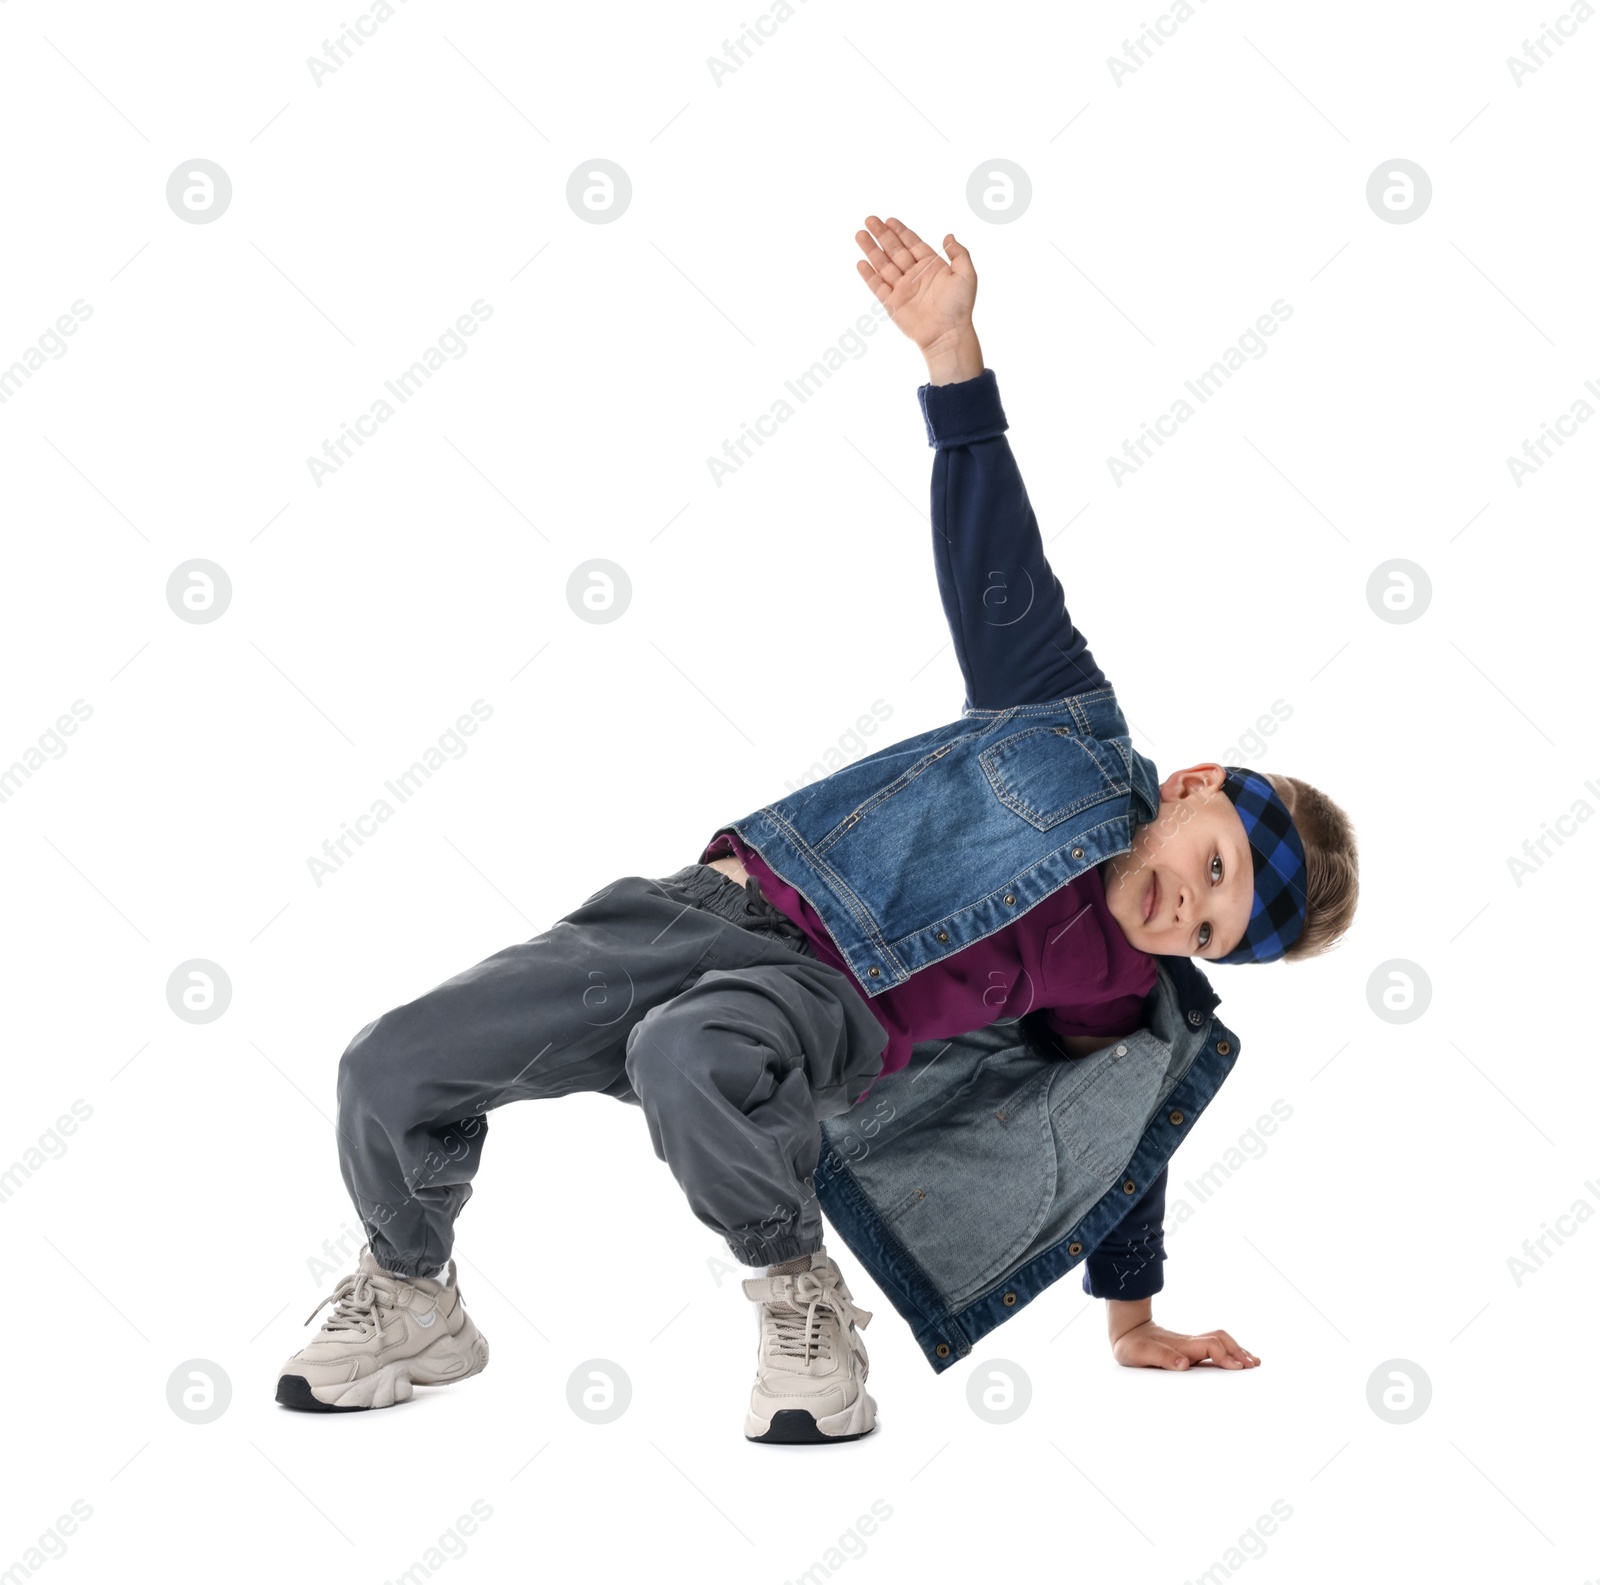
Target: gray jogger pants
[(691, 997)]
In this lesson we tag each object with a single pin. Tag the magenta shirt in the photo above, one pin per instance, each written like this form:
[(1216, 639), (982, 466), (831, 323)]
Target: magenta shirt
[(1067, 954)]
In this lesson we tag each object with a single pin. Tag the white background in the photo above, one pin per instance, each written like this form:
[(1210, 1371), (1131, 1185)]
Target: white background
[(768, 613)]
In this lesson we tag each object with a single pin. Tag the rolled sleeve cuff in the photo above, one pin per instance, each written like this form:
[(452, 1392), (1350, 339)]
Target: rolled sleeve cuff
[(964, 413), (1119, 1277)]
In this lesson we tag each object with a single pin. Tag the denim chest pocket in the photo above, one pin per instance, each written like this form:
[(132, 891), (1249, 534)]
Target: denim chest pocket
[(1049, 773)]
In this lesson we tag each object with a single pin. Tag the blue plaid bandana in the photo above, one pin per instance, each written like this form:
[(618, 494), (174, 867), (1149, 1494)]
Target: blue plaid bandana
[(1278, 910)]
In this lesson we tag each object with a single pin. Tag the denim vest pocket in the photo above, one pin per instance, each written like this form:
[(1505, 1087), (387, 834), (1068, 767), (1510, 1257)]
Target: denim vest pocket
[(1099, 1108), (1046, 774), (989, 1144), (882, 795)]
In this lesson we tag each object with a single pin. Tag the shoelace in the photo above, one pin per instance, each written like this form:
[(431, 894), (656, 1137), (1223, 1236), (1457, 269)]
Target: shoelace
[(355, 1303), (799, 1334)]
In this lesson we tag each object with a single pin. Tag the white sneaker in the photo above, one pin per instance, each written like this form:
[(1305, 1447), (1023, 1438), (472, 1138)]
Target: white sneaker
[(811, 1367), (385, 1333)]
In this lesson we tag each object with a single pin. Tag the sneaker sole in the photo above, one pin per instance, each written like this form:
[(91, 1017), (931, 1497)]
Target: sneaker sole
[(796, 1427), (449, 1359)]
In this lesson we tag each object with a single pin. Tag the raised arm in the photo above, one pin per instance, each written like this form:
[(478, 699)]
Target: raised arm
[(1008, 618), (1014, 641)]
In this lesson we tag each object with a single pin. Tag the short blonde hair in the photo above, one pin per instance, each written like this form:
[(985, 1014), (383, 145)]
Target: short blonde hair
[(1332, 878)]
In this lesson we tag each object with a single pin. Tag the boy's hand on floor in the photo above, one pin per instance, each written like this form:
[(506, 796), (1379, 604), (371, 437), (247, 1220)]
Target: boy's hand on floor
[(1149, 1344), (930, 300)]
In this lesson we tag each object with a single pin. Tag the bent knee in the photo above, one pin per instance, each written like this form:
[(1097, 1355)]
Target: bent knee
[(656, 1044), (719, 1038), (374, 1068)]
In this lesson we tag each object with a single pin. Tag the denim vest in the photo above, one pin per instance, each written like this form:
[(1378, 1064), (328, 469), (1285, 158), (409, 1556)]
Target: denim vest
[(935, 842), (989, 1167)]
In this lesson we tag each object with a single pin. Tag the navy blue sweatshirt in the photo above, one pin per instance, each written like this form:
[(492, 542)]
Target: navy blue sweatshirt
[(988, 556)]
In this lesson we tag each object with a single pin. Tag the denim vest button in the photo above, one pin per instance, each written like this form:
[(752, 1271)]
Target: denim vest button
[(1195, 1017), (1074, 1248), (1128, 1185), (1174, 1118), (943, 935), (943, 1351), (1077, 853), (1223, 1048), (1011, 898), (1009, 1298), (873, 971), (1121, 1051)]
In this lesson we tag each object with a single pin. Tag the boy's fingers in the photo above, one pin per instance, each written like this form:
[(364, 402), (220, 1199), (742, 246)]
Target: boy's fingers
[(889, 240), (1219, 1352), (874, 281), (877, 258), (960, 259), (919, 249), (1242, 1353)]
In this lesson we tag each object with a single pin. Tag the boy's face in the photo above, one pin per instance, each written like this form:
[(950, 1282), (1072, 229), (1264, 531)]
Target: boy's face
[(1187, 886)]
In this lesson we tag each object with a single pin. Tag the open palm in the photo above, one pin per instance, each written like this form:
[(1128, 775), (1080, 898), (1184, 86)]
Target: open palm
[(926, 297)]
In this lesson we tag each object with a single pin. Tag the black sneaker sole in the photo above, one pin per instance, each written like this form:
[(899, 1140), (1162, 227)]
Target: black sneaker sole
[(294, 1392), (793, 1427)]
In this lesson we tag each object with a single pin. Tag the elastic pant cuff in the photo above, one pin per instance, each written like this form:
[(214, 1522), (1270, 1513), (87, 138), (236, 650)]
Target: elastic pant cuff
[(775, 1250), (407, 1266)]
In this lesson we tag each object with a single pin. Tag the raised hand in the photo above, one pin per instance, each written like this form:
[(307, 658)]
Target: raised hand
[(930, 300)]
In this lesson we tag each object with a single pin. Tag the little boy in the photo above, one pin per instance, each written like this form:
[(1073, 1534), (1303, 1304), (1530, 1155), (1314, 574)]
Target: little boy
[(1020, 858)]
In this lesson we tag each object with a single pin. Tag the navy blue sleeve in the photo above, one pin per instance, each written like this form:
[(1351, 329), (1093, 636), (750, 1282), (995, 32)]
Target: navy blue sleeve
[(1128, 1264), (1008, 618)]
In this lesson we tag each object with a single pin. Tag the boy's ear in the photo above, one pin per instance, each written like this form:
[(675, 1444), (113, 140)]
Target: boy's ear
[(1196, 779)]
